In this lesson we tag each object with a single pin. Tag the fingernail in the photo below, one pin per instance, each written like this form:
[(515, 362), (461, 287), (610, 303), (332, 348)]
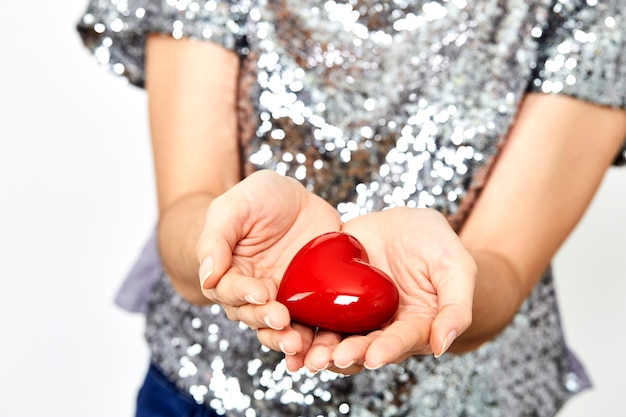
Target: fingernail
[(349, 364), (372, 368), (206, 269), (267, 321), (249, 298), (282, 349), (322, 368), (294, 371), (447, 342)]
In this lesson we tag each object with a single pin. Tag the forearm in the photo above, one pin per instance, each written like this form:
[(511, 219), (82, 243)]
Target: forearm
[(533, 200), (179, 227), (193, 122)]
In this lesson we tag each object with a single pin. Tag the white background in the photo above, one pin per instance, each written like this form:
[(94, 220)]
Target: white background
[(77, 202)]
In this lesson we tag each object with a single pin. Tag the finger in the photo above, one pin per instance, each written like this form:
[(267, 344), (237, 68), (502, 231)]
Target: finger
[(289, 340), (351, 351), (455, 293), (297, 361), (450, 323), (225, 223), (294, 362), (320, 354), (234, 289), (398, 341), (272, 315)]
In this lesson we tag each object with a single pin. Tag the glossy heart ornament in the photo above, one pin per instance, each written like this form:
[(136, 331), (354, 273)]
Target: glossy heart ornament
[(329, 284)]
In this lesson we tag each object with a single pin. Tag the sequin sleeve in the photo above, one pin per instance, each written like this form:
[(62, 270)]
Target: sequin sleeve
[(582, 54), (116, 31)]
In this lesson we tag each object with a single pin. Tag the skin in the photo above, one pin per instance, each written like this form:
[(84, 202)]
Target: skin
[(194, 147), (465, 288)]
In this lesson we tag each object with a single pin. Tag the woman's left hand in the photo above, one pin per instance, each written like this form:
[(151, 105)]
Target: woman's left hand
[(435, 276)]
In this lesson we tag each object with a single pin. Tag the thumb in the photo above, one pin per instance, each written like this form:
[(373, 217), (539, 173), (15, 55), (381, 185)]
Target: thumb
[(223, 229), (455, 294)]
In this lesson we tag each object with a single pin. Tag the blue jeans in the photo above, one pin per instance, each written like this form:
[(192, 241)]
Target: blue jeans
[(159, 397)]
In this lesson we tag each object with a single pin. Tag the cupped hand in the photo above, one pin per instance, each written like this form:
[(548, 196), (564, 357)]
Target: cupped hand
[(435, 276), (251, 233)]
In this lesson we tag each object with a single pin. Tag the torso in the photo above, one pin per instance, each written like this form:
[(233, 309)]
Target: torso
[(373, 105)]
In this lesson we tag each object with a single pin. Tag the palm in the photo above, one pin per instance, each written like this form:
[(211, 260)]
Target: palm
[(278, 227), (434, 276), (253, 231), (392, 243)]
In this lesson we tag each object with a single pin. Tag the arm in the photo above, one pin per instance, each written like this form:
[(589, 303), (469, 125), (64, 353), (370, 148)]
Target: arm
[(192, 105), (512, 240), (553, 162), (192, 101)]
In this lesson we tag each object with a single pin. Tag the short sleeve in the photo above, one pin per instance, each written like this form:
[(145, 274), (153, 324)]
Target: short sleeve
[(582, 53), (116, 31)]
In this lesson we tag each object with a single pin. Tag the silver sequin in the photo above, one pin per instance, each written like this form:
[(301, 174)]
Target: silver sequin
[(376, 104)]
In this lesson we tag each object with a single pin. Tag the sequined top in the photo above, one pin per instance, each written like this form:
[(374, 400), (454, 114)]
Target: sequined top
[(375, 104)]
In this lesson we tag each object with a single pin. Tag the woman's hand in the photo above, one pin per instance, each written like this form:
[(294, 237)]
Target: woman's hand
[(254, 230), (250, 235), (435, 276)]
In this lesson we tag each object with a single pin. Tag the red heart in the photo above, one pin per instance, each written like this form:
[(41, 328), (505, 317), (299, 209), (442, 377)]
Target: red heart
[(329, 284)]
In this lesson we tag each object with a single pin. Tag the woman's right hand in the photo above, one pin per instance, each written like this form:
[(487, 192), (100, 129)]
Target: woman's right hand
[(250, 236)]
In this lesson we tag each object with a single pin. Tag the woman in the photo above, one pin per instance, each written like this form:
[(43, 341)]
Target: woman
[(460, 143)]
